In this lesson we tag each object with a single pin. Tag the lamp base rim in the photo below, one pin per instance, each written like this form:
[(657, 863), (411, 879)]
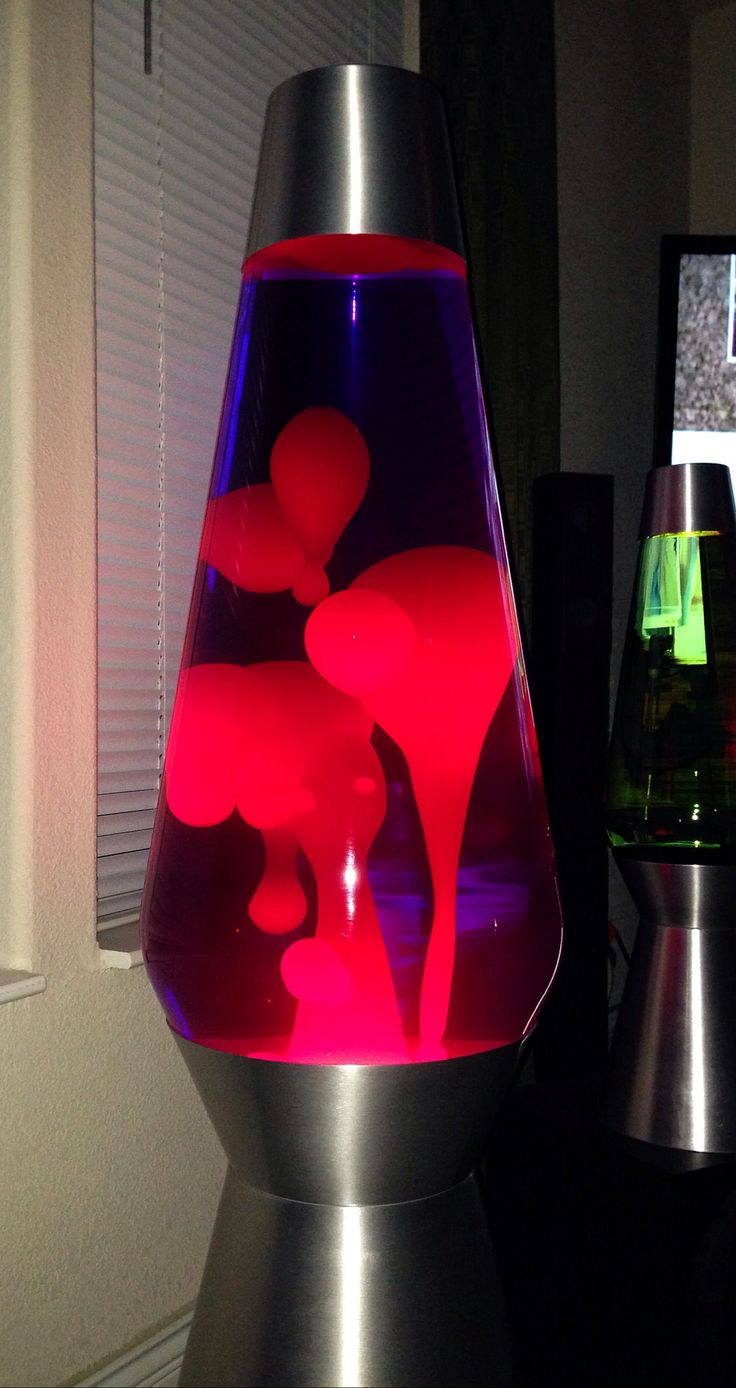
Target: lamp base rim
[(351, 1134)]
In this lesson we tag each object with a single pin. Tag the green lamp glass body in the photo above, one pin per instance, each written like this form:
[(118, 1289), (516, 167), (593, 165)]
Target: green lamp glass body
[(672, 824), (673, 751)]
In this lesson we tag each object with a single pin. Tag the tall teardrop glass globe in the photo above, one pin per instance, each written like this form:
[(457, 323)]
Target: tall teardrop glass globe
[(672, 767), (351, 860)]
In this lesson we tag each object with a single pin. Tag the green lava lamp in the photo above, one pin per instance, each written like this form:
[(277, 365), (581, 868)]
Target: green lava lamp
[(672, 820)]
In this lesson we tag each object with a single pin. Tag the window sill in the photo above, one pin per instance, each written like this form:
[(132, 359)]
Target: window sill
[(120, 946), (16, 983)]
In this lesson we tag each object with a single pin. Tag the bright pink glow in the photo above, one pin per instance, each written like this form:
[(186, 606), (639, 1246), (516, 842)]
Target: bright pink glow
[(279, 1050), (319, 470), (354, 254), (279, 904), (437, 704), (295, 755)]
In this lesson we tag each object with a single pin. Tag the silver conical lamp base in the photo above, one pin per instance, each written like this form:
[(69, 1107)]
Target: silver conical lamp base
[(351, 1245)]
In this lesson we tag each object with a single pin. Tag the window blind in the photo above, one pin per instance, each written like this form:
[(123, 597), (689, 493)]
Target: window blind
[(175, 155)]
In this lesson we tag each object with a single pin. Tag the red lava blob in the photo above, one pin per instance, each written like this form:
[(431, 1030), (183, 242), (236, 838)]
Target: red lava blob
[(312, 585), (319, 470), (206, 744), (248, 539), (280, 534), (437, 705), (360, 640), (336, 840), (294, 754), (245, 735), (314, 973), (279, 904)]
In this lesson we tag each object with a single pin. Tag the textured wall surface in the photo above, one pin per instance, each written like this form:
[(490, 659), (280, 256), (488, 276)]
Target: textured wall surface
[(110, 1171)]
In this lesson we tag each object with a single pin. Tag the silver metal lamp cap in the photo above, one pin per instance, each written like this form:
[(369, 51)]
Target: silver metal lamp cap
[(355, 148), (688, 497)]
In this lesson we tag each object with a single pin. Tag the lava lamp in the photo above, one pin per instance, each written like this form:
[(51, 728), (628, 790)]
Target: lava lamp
[(351, 914), (672, 821)]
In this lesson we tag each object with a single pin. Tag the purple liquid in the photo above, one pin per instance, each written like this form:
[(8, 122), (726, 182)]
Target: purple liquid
[(395, 356)]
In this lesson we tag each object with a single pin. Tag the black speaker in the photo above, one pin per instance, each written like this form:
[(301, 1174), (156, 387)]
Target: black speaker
[(570, 676)]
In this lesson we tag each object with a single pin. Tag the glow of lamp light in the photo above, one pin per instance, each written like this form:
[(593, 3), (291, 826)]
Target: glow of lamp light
[(354, 305), (350, 880)]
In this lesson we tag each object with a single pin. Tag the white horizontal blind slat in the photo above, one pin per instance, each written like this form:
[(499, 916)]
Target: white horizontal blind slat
[(175, 163)]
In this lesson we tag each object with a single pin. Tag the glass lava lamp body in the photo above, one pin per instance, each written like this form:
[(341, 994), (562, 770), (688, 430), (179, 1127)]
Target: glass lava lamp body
[(672, 819), (351, 861), (351, 913)]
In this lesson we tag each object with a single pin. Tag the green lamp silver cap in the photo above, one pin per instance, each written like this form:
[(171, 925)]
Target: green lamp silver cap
[(690, 497)]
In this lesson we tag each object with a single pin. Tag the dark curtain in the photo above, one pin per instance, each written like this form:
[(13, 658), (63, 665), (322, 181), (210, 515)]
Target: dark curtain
[(494, 62)]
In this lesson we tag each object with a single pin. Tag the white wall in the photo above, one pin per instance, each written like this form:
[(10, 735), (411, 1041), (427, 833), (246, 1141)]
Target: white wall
[(622, 149), (110, 1171), (713, 146)]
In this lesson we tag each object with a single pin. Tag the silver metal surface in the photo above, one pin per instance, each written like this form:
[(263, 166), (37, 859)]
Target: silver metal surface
[(695, 896), (355, 148), (688, 497), (671, 1078), (351, 1245), (296, 1293), (351, 1134)]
